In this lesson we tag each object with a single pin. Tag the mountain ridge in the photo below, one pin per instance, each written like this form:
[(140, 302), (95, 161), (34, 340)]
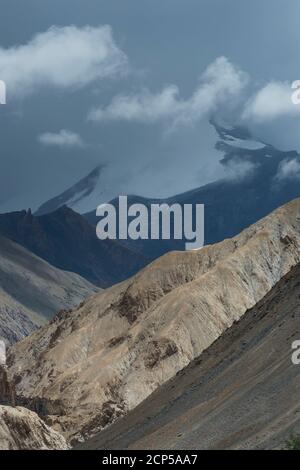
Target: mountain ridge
[(240, 393), (32, 291)]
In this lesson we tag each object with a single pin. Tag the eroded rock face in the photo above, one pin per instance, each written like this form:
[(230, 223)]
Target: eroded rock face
[(7, 388), (106, 357), (21, 429)]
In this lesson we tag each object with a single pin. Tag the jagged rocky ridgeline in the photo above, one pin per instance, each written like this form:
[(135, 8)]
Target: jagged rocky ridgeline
[(90, 366)]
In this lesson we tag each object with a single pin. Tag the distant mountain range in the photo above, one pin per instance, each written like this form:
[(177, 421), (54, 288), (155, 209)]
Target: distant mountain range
[(259, 179), (68, 241), (32, 291)]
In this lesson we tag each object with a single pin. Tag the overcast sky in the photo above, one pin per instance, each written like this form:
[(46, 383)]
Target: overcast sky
[(132, 84)]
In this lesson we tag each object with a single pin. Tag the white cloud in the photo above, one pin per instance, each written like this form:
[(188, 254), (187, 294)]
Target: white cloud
[(288, 169), (220, 82), (62, 57), (144, 107), (63, 138), (239, 169), (272, 101)]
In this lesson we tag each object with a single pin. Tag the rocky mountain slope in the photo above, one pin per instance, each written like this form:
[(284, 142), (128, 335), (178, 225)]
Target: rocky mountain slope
[(66, 240), (243, 392), (32, 291), (7, 389), (90, 366), (21, 429)]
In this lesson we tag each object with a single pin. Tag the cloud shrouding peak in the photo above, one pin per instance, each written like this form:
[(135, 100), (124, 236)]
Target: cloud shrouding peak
[(220, 82), (143, 107), (61, 57), (63, 138), (239, 169)]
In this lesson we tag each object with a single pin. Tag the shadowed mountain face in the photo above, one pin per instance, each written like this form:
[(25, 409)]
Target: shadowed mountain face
[(243, 392), (257, 182), (32, 291), (91, 366), (66, 240)]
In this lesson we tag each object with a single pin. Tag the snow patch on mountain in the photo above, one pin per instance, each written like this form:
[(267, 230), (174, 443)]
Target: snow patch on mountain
[(245, 144)]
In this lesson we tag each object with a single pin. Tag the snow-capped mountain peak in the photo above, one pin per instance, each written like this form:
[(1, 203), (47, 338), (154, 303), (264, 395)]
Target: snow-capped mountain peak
[(237, 137)]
